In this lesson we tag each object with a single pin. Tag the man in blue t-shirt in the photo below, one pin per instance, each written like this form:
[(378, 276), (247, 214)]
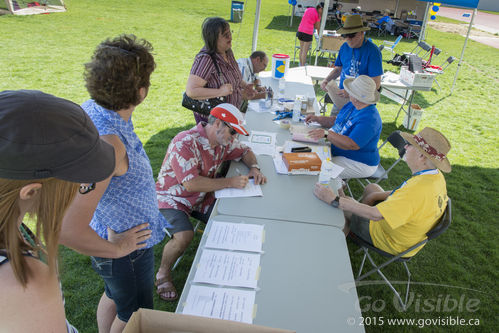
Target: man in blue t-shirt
[(358, 56), (354, 133)]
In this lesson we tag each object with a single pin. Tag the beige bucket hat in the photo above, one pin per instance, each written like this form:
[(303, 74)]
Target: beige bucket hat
[(353, 23), (432, 144), (362, 88)]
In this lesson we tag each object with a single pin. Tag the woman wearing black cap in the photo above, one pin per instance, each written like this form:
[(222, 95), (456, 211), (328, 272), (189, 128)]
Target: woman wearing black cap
[(48, 146)]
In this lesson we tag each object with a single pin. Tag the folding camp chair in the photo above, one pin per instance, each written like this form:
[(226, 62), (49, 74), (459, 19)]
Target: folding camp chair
[(441, 226), (440, 69), (323, 102), (421, 46), (389, 46), (398, 142)]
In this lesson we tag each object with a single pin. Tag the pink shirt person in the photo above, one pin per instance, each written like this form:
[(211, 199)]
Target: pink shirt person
[(308, 21)]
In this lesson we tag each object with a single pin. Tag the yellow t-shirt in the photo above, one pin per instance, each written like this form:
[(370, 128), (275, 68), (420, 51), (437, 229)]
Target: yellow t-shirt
[(409, 214)]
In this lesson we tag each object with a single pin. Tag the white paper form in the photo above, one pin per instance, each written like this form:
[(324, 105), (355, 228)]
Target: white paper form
[(224, 268), (262, 143), (235, 236), (251, 190), (221, 303)]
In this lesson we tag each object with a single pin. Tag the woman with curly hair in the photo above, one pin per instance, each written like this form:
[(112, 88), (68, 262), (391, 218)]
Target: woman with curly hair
[(48, 146), (118, 79)]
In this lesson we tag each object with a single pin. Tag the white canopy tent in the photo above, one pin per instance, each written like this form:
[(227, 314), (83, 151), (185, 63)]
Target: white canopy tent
[(461, 3)]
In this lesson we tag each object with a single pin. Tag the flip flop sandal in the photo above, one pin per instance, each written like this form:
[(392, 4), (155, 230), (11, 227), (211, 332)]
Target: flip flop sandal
[(162, 290)]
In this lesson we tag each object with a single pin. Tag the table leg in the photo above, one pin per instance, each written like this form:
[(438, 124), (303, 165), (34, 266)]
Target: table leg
[(405, 101)]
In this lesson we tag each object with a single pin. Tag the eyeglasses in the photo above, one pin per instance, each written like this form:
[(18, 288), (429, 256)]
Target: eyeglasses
[(84, 189), (232, 131), (352, 35)]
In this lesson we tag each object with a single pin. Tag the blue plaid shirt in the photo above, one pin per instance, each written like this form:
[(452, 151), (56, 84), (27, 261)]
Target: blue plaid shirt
[(129, 199)]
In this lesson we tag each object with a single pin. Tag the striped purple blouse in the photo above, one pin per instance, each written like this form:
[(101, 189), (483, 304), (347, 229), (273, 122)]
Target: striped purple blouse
[(204, 68)]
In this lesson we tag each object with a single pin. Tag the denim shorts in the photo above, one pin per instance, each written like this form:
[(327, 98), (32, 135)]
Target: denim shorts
[(128, 280), (360, 227)]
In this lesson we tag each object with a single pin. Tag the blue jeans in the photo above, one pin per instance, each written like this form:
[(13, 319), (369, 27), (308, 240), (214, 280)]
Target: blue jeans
[(128, 280)]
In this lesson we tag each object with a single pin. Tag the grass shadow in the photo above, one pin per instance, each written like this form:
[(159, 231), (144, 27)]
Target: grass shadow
[(157, 145)]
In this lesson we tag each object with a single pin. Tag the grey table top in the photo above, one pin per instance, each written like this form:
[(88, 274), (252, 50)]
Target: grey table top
[(306, 281), (285, 198)]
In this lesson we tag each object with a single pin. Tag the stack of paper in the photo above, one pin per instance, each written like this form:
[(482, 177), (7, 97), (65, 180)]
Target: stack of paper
[(231, 264)]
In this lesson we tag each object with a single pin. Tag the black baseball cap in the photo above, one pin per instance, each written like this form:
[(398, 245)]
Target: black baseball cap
[(43, 136)]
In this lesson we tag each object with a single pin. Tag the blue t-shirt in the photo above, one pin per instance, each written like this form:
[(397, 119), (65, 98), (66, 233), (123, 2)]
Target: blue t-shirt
[(365, 60), (388, 20), (130, 199), (364, 128)]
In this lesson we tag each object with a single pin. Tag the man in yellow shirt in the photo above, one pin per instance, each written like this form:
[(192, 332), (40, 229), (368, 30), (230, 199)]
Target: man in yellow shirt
[(406, 214)]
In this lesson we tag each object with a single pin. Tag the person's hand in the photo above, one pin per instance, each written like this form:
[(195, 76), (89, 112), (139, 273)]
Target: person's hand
[(311, 118), (257, 176), (324, 193), (316, 134), (130, 240), (324, 85), (248, 92), (226, 89), (238, 181), (342, 93), (260, 88)]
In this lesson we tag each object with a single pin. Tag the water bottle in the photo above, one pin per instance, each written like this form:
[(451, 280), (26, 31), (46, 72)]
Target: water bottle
[(326, 172), (326, 176), (282, 87), (296, 111)]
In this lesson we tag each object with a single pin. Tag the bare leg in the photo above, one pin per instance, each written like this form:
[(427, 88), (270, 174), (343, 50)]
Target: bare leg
[(171, 252), (304, 46), (106, 313), (118, 325), (369, 196)]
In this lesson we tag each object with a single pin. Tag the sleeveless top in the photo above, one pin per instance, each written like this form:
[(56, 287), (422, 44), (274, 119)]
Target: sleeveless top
[(30, 238), (129, 199)]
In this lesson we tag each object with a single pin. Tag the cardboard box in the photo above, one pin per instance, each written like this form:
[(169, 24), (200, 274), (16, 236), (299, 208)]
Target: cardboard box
[(307, 162), (416, 79), (416, 114), (154, 321), (332, 43)]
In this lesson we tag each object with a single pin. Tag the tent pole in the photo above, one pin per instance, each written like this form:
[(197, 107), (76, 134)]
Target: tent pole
[(422, 34), (396, 10), (464, 47), (321, 28), (255, 26), (292, 16)]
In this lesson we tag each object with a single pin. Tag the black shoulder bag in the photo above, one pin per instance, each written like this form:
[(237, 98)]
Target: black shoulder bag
[(204, 106)]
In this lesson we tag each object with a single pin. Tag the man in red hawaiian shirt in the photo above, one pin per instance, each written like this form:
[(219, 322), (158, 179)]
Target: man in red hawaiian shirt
[(187, 180)]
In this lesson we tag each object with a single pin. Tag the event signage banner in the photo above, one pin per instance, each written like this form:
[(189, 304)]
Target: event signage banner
[(460, 3)]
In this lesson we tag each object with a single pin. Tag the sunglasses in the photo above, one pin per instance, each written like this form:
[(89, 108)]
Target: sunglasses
[(84, 189), (232, 131), (352, 35)]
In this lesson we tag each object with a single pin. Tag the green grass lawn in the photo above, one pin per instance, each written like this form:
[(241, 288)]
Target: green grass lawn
[(47, 52)]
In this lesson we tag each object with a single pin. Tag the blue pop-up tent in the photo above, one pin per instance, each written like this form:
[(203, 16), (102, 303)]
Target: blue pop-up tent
[(461, 3)]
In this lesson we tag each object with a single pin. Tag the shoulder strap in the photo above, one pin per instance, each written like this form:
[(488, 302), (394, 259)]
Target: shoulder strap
[(213, 58)]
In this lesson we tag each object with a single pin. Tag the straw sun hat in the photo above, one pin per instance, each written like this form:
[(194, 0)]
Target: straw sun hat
[(432, 144), (353, 23), (363, 88)]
